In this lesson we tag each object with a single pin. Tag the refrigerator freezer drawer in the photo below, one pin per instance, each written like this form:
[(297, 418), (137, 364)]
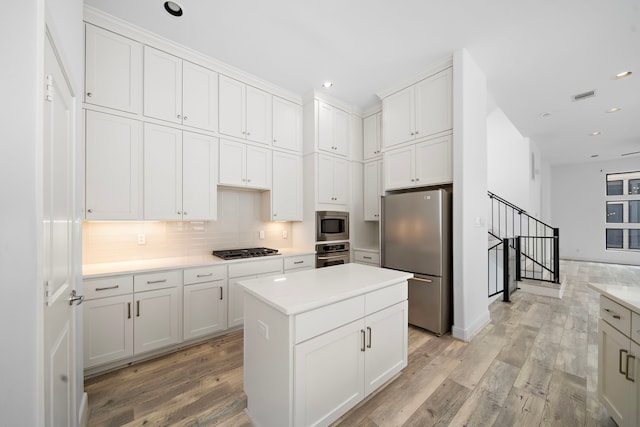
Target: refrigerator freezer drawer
[(429, 304)]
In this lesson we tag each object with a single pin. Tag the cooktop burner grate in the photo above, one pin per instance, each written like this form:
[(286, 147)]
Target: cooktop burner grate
[(245, 253)]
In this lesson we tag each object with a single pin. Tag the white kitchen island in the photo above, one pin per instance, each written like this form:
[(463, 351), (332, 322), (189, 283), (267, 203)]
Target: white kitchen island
[(317, 342)]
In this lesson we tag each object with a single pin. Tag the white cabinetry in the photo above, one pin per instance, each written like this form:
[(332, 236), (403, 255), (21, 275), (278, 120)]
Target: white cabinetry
[(333, 129), (245, 112), (204, 301), (178, 91), (373, 189), (372, 139), (426, 163), (366, 257), (618, 362), (243, 165), (287, 128), (113, 150), (418, 111), (174, 192), (299, 263), (244, 271), (333, 180), (113, 67), (284, 202)]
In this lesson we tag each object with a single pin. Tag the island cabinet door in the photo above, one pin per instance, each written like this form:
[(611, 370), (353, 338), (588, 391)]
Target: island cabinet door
[(329, 375), (386, 345)]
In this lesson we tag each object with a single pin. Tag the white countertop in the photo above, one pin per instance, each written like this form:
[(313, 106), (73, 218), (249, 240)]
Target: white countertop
[(301, 291), (627, 296), (148, 265)]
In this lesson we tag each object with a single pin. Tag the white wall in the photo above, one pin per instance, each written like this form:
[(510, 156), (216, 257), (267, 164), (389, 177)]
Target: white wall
[(469, 197), (578, 208)]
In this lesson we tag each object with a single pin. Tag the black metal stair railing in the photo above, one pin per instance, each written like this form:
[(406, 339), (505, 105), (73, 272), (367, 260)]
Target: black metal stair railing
[(524, 243)]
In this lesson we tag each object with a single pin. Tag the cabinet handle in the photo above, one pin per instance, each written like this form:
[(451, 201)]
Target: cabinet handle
[(179, 212), (248, 133), (626, 375), (369, 330), (90, 210), (366, 257), (128, 310), (138, 308), (275, 140), (151, 282), (185, 118), (178, 116), (412, 133), (275, 214), (413, 180), (417, 132), (622, 350), (108, 287), (363, 339), (298, 262), (205, 275), (417, 179), (612, 313), (89, 94), (220, 293), (185, 213)]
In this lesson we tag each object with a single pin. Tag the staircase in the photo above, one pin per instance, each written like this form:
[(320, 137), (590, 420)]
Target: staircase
[(523, 251)]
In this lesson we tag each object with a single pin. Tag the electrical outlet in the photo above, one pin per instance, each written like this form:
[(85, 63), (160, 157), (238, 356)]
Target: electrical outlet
[(142, 239), (285, 234), (261, 234)]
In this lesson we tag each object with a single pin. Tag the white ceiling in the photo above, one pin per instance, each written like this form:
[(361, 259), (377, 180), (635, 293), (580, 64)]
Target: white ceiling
[(536, 54)]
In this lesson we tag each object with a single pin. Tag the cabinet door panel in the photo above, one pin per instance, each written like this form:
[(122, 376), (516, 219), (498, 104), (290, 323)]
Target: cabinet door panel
[(434, 104), (162, 85), (113, 70), (113, 167), (162, 173), (341, 181), (371, 136), (434, 161), (286, 191), (258, 115), (325, 180), (398, 123), (325, 127), (199, 97), (398, 168), (232, 163), (258, 167), (286, 124), (199, 177), (329, 375), (204, 309), (341, 132), (236, 302), (156, 319), (232, 97), (371, 202), (107, 330)]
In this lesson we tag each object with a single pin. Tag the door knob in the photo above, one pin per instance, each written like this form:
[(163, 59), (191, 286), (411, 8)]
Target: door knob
[(75, 298)]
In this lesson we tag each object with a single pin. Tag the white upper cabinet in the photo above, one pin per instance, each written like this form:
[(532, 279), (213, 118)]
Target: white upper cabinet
[(333, 129), (242, 165), (419, 111), (113, 70), (180, 175), (333, 180), (245, 112), (287, 129), (372, 138), (113, 150), (178, 91), (286, 190)]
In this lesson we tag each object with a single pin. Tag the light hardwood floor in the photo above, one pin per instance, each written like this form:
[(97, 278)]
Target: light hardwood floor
[(535, 364)]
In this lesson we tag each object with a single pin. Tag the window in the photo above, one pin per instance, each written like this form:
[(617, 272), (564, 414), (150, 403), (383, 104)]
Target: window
[(623, 211)]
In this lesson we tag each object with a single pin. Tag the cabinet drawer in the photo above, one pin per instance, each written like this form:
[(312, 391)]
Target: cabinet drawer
[(635, 328), (616, 315), (250, 268), (385, 297), (366, 257), (302, 261), (315, 322), (153, 281), (107, 287), (205, 274)]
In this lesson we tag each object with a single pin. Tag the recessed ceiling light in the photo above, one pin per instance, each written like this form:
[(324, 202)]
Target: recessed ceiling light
[(622, 75), (327, 84), (173, 8), (546, 114), (595, 133), (614, 110)]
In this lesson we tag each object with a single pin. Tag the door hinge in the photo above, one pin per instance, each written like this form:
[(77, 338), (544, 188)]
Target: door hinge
[(49, 88)]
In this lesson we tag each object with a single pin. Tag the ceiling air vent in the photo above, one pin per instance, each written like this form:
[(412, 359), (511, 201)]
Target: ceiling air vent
[(585, 95)]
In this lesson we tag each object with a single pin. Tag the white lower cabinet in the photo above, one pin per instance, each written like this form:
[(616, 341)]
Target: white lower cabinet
[(156, 322), (299, 263), (204, 301)]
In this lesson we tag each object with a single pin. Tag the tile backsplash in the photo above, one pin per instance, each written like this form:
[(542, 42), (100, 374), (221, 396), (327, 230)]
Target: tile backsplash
[(238, 226)]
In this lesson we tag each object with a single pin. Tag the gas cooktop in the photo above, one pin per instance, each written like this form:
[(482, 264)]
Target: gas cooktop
[(245, 253)]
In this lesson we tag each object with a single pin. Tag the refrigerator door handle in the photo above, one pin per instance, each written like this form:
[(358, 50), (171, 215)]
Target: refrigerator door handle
[(419, 279)]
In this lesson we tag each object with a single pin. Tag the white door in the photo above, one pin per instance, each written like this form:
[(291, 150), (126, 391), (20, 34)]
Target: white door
[(232, 163), (156, 319), (434, 161), (199, 177), (232, 103), (204, 309), (258, 115), (341, 134), (433, 104), (399, 168), (258, 167), (199, 97), (286, 191), (325, 180), (371, 191), (325, 127), (286, 124), (162, 85), (341, 181), (398, 122), (59, 313), (371, 132)]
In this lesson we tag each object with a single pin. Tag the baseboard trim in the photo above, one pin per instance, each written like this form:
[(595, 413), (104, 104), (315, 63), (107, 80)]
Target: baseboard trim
[(83, 415), (537, 288), (466, 334)]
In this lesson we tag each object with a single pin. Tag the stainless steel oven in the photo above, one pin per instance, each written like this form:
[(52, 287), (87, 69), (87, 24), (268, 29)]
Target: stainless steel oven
[(328, 254), (332, 225)]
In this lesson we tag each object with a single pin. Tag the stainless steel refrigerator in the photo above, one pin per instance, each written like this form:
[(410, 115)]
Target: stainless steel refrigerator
[(416, 238)]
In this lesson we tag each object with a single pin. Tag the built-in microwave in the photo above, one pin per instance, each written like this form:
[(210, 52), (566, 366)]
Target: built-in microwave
[(332, 225)]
